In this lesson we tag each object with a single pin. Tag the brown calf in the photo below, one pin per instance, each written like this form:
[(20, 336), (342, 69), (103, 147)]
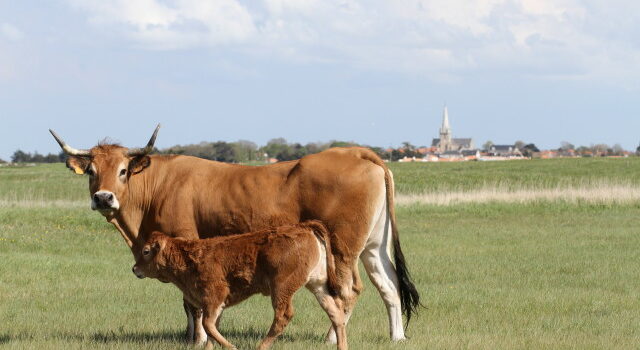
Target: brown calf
[(223, 271)]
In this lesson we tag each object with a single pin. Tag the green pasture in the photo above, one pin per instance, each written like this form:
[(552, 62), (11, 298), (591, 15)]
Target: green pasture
[(547, 275)]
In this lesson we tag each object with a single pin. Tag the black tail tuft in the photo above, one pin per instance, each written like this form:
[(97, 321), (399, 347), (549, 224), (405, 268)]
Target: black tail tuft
[(409, 297)]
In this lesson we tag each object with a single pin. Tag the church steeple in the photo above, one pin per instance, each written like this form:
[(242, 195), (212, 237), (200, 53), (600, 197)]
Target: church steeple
[(445, 129), (446, 142), (445, 132)]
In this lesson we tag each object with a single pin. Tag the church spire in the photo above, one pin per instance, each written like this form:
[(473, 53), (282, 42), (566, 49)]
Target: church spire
[(445, 129)]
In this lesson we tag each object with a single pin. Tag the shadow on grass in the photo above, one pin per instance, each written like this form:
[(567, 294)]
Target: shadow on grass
[(255, 334), (7, 338), (251, 335), (104, 337), (138, 337)]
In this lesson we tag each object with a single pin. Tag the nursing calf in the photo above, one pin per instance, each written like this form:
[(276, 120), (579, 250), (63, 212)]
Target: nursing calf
[(223, 271)]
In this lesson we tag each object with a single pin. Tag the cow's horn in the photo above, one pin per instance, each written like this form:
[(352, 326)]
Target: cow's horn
[(148, 148), (68, 149)]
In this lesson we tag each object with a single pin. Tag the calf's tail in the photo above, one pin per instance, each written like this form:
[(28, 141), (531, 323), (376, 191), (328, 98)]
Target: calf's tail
[(323, 235)]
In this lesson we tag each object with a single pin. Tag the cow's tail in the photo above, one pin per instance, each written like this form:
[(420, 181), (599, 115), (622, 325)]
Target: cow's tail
[(323, 235), (409, 296)]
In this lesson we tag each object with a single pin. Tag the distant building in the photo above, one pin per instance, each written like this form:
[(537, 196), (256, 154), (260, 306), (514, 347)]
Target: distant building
[(504, 151), (446, 143)]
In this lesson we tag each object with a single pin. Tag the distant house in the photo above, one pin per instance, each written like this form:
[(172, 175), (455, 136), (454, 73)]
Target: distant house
[(471, 154), (451, 155), (504, 151)]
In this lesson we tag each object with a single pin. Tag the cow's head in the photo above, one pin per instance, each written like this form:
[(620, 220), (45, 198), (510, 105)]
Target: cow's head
[(150, 262), (109, 168)]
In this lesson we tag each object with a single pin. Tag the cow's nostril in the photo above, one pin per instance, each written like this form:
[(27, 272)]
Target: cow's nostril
[(110, 197)]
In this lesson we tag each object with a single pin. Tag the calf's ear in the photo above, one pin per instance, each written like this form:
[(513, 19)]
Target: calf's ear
[(138, 164), (79, 165), (156, 247)]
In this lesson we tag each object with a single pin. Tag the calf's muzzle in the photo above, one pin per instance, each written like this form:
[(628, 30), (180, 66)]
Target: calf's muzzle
[(137, 272)]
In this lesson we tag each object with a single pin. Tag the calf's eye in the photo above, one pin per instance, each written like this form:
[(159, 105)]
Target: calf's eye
[(146, 251), (123, 172)]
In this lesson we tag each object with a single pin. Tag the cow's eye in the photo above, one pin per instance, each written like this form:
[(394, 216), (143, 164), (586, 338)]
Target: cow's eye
[(146, 251), (123, 172)]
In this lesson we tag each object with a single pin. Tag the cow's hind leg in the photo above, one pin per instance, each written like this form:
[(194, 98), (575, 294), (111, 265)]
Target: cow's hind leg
[(334, 309), (357, 287), (376, 259), (195, 331)]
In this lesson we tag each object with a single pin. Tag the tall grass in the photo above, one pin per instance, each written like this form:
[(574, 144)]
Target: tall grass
[(412, 178), (590, 192)]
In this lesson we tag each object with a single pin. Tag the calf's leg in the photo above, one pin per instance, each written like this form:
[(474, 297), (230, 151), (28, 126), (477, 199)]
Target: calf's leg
[(283, 312), (210, 319)]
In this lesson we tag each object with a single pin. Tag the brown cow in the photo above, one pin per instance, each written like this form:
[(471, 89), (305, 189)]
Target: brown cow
[(349, 189), (219, 272)]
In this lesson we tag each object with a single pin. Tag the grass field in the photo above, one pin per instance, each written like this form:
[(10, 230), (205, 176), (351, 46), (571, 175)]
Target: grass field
[(543, 274)]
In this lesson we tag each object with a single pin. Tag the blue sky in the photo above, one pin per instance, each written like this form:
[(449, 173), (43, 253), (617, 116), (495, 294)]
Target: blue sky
[(370, 71)]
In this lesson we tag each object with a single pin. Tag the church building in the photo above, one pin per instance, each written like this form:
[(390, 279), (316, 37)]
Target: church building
[(446, 143)]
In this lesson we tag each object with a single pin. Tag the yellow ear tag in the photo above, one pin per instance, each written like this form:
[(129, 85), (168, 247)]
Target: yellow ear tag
[(78, 171)]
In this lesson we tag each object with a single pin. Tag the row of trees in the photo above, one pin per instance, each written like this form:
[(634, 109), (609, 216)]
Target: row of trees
[(597, 150), (23, 157), (247, 151)]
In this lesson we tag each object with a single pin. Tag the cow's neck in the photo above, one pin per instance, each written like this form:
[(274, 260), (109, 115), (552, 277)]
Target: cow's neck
[(133, 210)]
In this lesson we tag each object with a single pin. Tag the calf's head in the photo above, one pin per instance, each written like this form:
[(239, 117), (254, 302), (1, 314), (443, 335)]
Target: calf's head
[(109, 168), (150, 262)]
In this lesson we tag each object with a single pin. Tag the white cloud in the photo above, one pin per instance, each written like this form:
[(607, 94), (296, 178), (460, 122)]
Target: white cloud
[(439, 39), (175, 24), (11, 32)]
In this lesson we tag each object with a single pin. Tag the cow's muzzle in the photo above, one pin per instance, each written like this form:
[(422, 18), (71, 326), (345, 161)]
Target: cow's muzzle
[(137, 272), (104, 200)]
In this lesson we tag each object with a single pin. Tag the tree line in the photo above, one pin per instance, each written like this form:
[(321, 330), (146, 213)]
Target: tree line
[(243, 151), (20, 156), (246, 151)]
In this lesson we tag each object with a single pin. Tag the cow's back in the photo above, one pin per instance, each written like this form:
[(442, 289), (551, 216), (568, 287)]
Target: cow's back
[(336, 186)]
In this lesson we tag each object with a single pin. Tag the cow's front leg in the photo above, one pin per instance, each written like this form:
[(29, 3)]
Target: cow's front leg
[(195, 331)]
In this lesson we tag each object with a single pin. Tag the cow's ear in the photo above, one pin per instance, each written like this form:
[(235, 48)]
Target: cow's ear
[(138, 164), (79, 165)]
